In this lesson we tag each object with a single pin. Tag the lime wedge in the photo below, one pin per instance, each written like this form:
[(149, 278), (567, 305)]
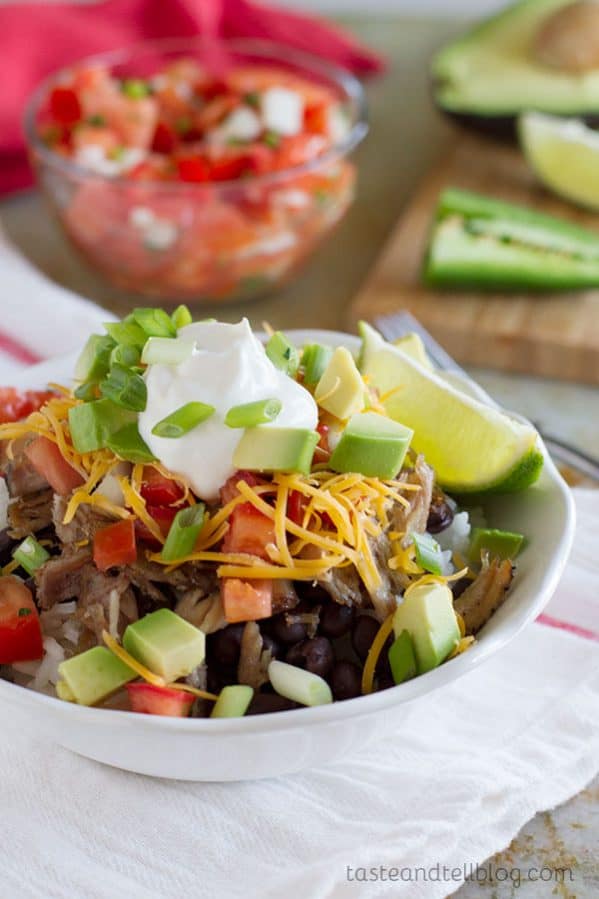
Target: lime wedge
[(473, 447), (564, 155)]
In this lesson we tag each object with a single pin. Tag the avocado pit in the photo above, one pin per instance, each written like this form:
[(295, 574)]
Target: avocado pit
[(568, 40)]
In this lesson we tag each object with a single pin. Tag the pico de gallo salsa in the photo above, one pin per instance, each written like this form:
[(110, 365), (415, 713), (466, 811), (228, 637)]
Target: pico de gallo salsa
[(171, 195)]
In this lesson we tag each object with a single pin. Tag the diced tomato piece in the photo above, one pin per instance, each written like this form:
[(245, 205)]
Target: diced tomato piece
[(165, 138), (17, 404), (228, 169), (296, 504), (157, 490), (49, 462), (229, 489), (193, 169), (20, 629), (316, 118), (214, 88), (246, 600), (249, 531), (258, 160), (115, 545), (65, 106), (153, 700)]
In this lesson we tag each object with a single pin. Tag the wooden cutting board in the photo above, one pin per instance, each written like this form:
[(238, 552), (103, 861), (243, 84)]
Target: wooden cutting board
[(556, 335)]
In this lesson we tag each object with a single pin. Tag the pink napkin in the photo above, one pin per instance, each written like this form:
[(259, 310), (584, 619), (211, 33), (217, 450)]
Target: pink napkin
[(39, 38)]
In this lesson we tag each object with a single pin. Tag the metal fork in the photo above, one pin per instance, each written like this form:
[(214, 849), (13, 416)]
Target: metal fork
[(400, 323)]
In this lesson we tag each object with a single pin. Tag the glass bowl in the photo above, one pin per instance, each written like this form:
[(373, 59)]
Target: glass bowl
[(222, 241)]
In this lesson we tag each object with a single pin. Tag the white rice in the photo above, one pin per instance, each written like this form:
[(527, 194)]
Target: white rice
[(456, 538)]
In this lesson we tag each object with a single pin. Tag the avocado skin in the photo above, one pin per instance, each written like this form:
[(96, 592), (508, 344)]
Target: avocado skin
[(502, 128)]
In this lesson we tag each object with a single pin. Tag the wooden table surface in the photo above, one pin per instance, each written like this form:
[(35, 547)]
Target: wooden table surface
[(406, 136)]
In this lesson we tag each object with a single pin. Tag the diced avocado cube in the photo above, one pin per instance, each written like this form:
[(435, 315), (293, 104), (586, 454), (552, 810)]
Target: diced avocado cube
[(411, 344), (341, 390), (427, 614), (232, 701), (266, 448), (166, 644), (92, 676), (499, 544), (315, 359), (402, 658), (64, 692), (282, 353), (93, 424), (372, 445)]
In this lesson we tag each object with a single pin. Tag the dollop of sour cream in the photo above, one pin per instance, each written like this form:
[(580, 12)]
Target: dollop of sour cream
[(228, 367)]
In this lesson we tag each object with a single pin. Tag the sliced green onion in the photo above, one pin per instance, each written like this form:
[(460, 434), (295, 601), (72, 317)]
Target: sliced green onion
[(183, 420), (125, 388), (402, 658), (499, 544), (428, 553), (282, 353), (125, 354), (166, 351), (298, 684), (183, 532), (93, 423), (233, 701), (127, 332), (248, 415), (135, 88), (154, 322), (315, 359), (252, 98), (94, 361), (128, 445), (87, 391), (181, 317), (30, 555)]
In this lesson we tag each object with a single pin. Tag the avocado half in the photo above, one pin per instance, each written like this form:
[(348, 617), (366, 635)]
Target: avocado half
[(487, 77)]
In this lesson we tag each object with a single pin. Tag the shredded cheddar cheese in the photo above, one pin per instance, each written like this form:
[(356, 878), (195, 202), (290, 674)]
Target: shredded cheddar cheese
[(342, 513), (374, 653)]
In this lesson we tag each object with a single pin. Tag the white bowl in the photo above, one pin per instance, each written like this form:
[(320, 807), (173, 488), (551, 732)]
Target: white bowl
[(279, 743)]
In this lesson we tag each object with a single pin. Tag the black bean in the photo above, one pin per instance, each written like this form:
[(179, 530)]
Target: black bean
[(346, 680), (218, 677), (272, 645), (363, 633), (286, 630), (310, 593), (384, 681), (335, 619), (440, 515), (224, 645), (264, 703), (315, 655)]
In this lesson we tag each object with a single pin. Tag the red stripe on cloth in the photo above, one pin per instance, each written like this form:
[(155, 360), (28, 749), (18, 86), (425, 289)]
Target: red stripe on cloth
[(549, 621), (18, 351)]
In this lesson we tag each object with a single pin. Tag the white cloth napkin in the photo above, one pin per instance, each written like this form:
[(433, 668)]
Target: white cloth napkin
[(518, 735), (38, 318)]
